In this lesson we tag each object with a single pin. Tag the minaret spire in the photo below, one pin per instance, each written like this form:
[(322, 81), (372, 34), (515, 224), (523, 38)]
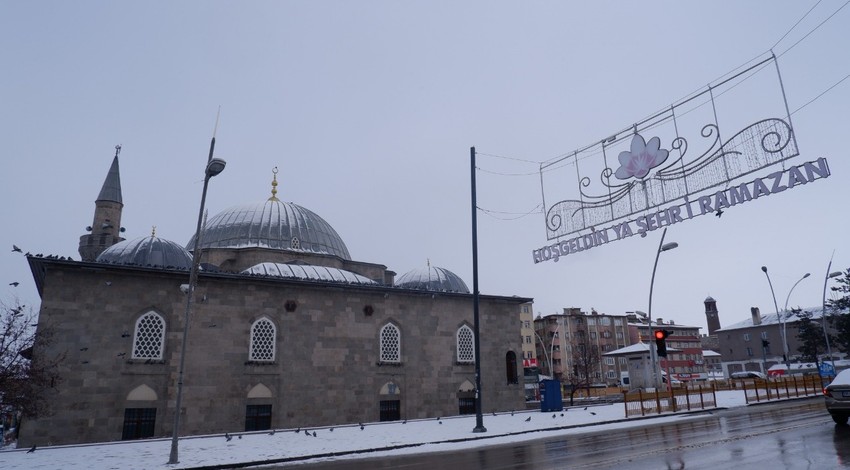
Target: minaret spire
[(274, 185), (105, 229)]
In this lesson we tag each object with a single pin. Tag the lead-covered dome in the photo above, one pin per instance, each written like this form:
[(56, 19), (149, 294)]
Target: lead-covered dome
[(272, 224), (432, 278), (147, 251), (306, 271)]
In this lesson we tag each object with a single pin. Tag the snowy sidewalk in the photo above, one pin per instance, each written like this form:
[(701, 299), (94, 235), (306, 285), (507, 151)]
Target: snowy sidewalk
[(348, 441)]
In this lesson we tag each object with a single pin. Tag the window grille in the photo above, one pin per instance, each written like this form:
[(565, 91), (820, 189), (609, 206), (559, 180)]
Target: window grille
[(390, 344), (150, 337), (262, 340), (465, 345)]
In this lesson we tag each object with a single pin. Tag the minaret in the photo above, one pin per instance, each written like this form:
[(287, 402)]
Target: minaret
[(106, 229), (711, 315)]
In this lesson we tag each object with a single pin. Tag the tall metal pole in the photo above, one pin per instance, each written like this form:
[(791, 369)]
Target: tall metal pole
[(479, 419), (823, 311), (193, 281), (775, 306), (653, 357), (785, 319)]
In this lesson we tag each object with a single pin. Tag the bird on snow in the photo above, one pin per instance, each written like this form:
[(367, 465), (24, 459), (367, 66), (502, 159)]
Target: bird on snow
[(512, 412), (553, 415), (404, 422), (32, 449), (528, 419), (494, 413), (228, 437), (361, 426), (239, 436), (585, 408), (14, 284), (594, 414), (271, 433), (16, 249), (562, 414), (331, 429), (297, 430), (314, 433)]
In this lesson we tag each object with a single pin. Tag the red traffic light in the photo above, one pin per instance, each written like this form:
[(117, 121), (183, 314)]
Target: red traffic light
[(660, 334)]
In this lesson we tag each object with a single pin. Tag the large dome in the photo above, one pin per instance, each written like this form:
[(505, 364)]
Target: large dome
[(272, 224), (147, 251), (432, 278), (299, 271)]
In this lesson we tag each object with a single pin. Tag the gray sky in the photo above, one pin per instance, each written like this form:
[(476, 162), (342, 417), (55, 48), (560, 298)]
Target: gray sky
[(369, 110)]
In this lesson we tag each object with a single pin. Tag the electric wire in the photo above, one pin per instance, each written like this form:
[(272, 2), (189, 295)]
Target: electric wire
[(795, 24), (815, 28)]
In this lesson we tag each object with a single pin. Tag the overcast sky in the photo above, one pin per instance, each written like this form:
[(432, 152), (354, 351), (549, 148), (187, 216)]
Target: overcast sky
[(369, 110)]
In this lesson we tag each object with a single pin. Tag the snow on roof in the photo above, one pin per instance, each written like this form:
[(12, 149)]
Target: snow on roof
[(773, 318), (636, 348), (710, 353)]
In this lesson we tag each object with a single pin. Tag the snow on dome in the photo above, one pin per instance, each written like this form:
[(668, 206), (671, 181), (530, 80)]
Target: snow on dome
[(432, 278), (307, 271), (272, 224), (147, 251)]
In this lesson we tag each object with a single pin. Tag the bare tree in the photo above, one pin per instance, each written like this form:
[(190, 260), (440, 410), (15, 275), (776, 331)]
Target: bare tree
[(25, 378), (585, 366)]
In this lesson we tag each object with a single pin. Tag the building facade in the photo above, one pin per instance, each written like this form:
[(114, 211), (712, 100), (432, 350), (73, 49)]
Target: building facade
[(686, 362), (287, 330)]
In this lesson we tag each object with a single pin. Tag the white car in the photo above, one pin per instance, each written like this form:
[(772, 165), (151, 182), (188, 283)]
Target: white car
[(748, 374), (837, 395)]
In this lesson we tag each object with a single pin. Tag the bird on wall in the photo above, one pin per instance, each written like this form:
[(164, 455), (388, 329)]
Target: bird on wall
[(32, 449), (227, 437), (16, 249)]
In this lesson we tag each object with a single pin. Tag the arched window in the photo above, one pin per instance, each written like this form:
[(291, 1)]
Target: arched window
[(390, 343), (149, 337), (263, 334), (511, 368), (465, 345)]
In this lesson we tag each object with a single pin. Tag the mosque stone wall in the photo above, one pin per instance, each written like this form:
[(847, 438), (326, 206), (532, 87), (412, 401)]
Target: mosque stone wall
[(326, 369)]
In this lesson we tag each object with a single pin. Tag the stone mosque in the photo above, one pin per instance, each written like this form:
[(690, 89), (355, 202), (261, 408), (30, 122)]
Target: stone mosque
[(286, 331)]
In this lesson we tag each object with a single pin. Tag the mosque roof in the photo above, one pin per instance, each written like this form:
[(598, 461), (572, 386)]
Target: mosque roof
[(147, 251), (432, 278), (301, 271), (272, 224)]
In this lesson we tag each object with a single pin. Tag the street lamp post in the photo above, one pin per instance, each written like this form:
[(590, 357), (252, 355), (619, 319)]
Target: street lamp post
[(829, 275), (652, 352), (214, 167), (784, 315)]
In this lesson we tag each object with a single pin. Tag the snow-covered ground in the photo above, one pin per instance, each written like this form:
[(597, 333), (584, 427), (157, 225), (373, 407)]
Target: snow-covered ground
[(287, 445)]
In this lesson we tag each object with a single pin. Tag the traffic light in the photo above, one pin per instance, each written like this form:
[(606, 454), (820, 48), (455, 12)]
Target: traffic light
[(661, 343)]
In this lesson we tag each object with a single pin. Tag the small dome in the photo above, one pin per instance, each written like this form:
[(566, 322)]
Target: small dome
[(272, 224), (432, 278), (306, 271), (148, 251)]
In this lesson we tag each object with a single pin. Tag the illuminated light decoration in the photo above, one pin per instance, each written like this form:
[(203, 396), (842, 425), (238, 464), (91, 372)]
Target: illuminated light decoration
[(645, 190)]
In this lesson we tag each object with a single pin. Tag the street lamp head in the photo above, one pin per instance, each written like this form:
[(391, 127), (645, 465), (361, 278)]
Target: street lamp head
[(806, 275), (215, 166), (834, 274), (764, 269), (669, 246)]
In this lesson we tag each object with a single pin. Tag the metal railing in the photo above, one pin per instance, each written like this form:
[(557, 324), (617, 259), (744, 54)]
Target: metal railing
[(759, 390), (641, 403)]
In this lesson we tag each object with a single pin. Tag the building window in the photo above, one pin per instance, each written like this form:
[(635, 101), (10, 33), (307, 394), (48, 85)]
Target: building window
[(528, 340), (624, 361), (466, 406), (511, 368), (612, 374), (746, 336), (262, 341), (764, 335), (295, 244), (138, 423), (609, 361), (390, 410), (465, 345), (258, 417), (749, 351), (390, 343), (150, 337), (604, 321)]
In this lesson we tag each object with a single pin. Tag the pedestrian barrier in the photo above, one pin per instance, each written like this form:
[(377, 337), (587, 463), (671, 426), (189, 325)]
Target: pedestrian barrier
[(759, 390), (642, 403)]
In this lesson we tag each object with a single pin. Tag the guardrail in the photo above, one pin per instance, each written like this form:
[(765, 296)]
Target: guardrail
[(641, 403)]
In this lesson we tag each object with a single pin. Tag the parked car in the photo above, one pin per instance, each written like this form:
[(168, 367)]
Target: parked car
[(837, 396), (747, 374)]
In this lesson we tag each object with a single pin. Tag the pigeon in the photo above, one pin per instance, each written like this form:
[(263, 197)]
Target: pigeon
[(239, 436), (585, 408), (14, 284), (361, 426), (297, 430), (331, 429), (404, 422), (16, 249), (271, 433), (440, 422), (553, 415), (562, 415), (494, 413), (719, 213), (512, 412), (528, 419), (314, 433), (228, 437), (594, 414)]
